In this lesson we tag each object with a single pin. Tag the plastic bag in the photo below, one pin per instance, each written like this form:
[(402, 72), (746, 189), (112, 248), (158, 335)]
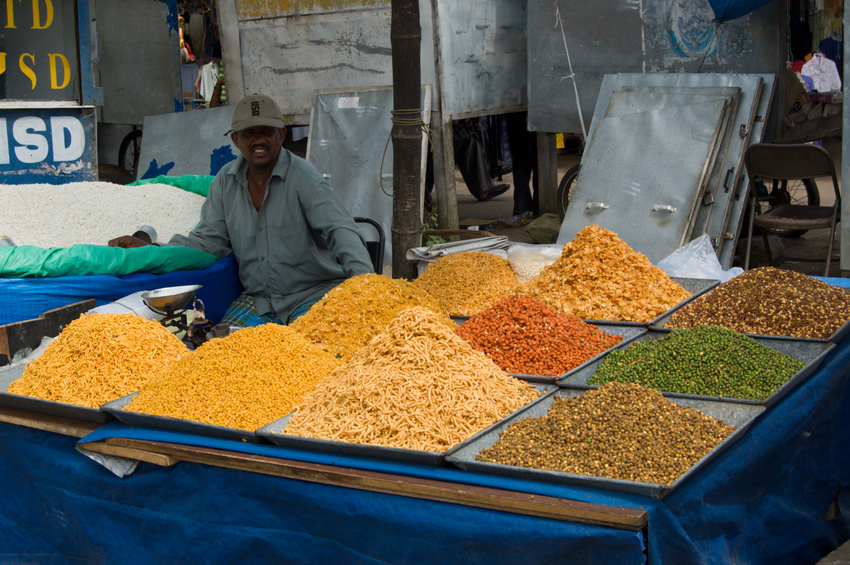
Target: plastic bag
[(528, 260), (697, 260)]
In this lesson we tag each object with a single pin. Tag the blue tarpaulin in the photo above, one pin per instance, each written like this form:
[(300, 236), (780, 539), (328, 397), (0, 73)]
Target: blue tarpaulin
[(28, 298), (725, 10), (777, 495)]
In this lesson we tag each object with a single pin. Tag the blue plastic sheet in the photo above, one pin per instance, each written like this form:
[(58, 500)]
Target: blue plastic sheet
[(725, 10), (778, 495), (25, 299)]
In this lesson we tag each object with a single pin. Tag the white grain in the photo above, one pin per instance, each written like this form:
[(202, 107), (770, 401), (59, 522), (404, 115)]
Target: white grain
[(92, 213)]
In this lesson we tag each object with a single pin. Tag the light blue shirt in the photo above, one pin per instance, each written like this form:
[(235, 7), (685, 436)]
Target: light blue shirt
[(301, 243)]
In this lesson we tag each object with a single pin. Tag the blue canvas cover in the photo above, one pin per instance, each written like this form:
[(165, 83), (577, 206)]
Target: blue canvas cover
[(725, 10)]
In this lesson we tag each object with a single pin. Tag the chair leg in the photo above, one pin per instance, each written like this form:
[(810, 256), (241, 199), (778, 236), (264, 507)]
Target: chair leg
[(750, 236), (829, 248), (767, 247)]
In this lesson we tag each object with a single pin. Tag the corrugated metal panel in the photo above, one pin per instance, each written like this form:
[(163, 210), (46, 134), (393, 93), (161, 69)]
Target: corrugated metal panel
[(631, 36), (350, 144), (139, 58), (641, 175), (483, 48)]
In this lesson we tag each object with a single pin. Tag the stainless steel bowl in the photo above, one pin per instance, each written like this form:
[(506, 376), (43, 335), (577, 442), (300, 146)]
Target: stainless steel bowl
[(176, 298)]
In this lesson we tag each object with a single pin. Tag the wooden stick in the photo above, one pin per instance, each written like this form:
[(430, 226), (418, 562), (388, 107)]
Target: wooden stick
[(46, 422), (443, 491)]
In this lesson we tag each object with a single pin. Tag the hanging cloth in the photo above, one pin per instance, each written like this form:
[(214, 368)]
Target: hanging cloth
[(823, 72)]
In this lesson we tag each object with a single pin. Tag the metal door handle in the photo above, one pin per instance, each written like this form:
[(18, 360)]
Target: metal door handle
[(599, 205), (663, 208)]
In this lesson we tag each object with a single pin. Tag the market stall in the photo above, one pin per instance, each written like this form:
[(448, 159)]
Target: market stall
[(86, 486), (773, 496)]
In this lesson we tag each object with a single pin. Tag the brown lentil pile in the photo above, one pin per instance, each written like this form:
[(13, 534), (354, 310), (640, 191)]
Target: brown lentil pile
[(417, 385), (523, 335), (245, 380), (705, 360), (599, 277), (618, 431), (98, 358), (466, 283), (770, 301), (355, 311)]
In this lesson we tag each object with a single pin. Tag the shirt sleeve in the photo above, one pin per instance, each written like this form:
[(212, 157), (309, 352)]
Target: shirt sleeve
[(210, 234), (329, 219)]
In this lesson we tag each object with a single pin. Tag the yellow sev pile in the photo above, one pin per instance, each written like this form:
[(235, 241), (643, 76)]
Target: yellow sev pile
[(245, 380), (416, 385), (98, 358), (599, 277), (351, 314), (469, 282)]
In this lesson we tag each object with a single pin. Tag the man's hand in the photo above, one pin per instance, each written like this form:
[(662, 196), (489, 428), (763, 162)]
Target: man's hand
[(127, 242)]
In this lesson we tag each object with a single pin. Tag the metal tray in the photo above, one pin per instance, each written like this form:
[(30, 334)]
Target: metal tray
[(629, 333), (48, 407), (836, 337), (811, 352), (141, 420), (741, 416), (274, 433)]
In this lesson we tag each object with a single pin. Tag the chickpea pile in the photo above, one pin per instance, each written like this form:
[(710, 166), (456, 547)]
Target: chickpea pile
[(523, 335)]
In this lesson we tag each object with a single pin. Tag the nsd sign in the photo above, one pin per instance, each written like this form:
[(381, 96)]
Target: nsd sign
[(47, 146)]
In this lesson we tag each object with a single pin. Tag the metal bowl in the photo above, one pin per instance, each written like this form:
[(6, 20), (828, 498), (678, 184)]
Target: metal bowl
[(174, 297)]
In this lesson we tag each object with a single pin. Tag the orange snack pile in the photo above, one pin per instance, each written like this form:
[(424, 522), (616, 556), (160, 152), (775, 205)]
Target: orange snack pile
[(98, 358), (523, 335), (599, 277)]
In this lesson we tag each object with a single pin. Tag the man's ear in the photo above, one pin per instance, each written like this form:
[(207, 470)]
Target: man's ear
[(233, 138)]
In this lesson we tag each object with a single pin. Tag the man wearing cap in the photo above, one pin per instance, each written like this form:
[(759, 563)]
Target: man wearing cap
[(292, 238)]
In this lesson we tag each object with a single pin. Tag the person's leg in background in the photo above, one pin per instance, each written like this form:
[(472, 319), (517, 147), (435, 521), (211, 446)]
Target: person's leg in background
[(523, 147)]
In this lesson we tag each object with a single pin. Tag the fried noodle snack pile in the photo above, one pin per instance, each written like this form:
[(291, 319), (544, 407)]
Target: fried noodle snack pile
[(417, 385), (469, 282), (98, 358), (599, 277), (353, 312)]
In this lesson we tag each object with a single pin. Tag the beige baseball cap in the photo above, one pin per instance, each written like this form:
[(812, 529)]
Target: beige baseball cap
[(256, 110)]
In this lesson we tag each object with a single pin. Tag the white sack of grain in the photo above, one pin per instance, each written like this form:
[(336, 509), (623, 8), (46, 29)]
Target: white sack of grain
[(92, 213)]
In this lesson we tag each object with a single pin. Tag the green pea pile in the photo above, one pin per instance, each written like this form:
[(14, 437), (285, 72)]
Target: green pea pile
[(705, 360)]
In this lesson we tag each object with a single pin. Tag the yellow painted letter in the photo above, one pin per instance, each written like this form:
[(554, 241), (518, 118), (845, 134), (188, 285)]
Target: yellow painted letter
[(66, 71), (27, 70), (48, 16)]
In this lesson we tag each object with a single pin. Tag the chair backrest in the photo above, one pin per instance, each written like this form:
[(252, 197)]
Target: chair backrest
[(375, 247), (790, 161)]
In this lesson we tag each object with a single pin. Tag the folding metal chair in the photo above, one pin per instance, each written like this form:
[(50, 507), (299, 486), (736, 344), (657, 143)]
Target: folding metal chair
[(788, 162)]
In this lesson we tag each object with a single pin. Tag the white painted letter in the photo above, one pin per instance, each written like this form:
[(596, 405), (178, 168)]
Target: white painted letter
[(77, 142), (34, 148)]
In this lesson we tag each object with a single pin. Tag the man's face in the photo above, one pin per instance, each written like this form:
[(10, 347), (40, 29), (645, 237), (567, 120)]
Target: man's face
[(259, 145)]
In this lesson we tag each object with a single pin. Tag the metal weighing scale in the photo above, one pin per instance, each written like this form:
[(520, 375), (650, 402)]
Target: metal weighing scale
[(183, 312)]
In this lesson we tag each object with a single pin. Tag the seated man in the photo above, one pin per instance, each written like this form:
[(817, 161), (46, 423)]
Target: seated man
[(291, 236)]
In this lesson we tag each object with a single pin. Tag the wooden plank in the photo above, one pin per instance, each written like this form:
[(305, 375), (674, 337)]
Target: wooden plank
[(442, 491), (46, 422), (58, 318), (160, 459), (28, 334), (18, 336)]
